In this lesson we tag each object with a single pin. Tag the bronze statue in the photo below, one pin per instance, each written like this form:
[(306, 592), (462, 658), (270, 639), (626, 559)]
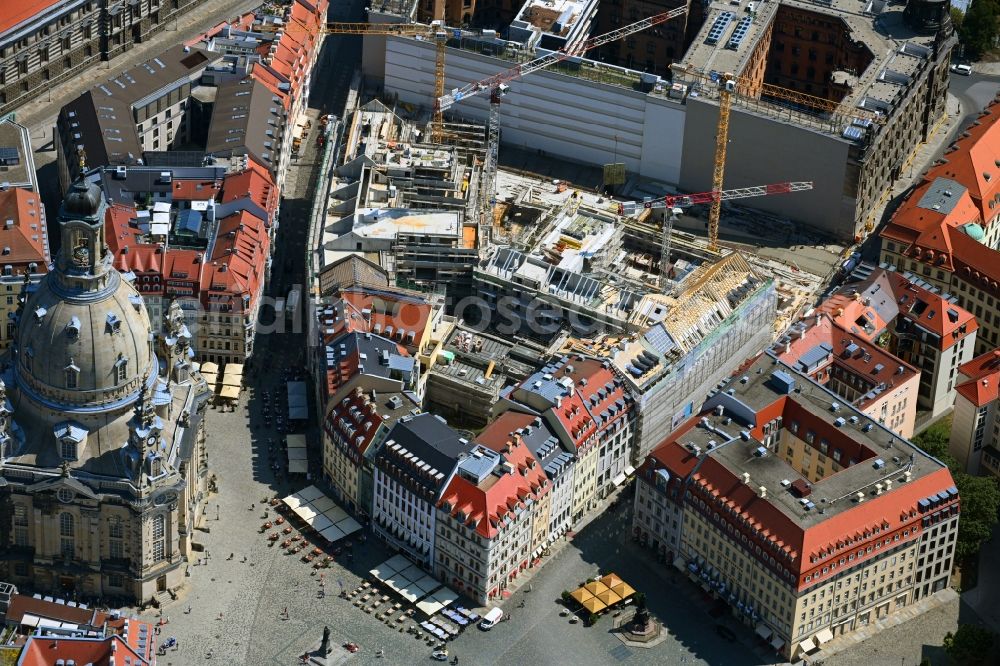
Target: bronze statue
[(324, 647)]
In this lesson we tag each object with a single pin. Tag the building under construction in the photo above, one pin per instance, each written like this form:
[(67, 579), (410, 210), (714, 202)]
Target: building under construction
[(838, 92), (405, 203)]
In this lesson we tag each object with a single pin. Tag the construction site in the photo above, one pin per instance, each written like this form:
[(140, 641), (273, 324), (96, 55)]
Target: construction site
[(413, 208)]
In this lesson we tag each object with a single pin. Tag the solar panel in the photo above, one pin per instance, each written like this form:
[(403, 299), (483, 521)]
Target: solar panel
[(721, 23), (740, 32)]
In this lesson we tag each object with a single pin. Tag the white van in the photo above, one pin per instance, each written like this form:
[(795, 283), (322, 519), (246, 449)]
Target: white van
[(491, 619)]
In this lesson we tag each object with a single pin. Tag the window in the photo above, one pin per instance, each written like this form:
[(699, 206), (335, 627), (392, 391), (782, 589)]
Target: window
[(72, 376), (67, 530), (158, 527), (121, 369), (20, 525)]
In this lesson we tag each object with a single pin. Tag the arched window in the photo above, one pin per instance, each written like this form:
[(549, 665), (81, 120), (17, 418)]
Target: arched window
[(67, 527), (158, 527)]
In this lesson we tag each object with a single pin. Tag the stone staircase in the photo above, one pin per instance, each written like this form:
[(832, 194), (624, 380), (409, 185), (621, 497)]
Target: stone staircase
[(161, 599)]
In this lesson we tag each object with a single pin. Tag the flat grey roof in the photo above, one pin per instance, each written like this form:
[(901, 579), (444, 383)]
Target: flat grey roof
[(727, 443)]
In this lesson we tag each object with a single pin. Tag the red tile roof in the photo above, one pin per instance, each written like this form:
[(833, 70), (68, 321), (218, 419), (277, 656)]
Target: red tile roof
[(716, 476), (486, 506), (357, 420), (25, 240), (592, 379), (934, 237), (983, 375), (572, 414), (837, 339), (272, 81), (121, 642), (868, 302), (253, 183), (22, 604), (15, 13), (231, 279), (498, 433)]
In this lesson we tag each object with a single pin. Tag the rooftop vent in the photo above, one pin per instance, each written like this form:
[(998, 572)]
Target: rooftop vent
[(839, 422), (801, 488), (760, 452), (878, 464), (785, 483)]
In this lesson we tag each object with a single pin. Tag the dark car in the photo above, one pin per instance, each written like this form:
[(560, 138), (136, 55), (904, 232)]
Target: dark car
[(725, 632)]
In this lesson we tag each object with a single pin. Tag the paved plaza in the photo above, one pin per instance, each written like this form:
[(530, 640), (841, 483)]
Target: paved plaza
[(237, 607)]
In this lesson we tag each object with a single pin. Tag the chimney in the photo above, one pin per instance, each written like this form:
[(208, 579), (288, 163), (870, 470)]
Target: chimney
[(746, 478), (888, 485), (860, 497), (762, 491), (907, 475), (878, 488)]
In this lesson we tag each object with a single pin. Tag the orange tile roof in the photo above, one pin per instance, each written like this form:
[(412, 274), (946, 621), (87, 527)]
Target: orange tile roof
[(15, 13), (25, 240), (861, 308), (254, 182), (983, 375), (965, 186)]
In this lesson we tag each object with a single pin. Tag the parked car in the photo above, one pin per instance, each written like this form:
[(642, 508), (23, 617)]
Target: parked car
[(964, 70)]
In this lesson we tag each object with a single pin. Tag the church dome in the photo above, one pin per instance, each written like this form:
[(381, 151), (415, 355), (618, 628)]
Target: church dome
[(83, 199), (83, 336), (84, 352)]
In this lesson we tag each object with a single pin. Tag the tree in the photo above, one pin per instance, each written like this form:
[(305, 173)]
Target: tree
[(971, 645), (957, 18), (979, 28), (980, 496)]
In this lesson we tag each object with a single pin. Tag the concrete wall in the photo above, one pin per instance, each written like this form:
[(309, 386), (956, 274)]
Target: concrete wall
[(564, 116), (763, 151)]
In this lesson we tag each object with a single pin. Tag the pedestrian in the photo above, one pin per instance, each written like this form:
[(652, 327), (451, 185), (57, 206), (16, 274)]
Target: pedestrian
[(220, 616)]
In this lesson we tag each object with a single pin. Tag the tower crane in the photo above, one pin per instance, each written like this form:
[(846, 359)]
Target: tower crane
[(436, 31), (729, 85), (677, 201), (497, 87)]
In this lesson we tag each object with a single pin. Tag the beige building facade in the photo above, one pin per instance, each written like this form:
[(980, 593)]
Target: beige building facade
[(101, 437)]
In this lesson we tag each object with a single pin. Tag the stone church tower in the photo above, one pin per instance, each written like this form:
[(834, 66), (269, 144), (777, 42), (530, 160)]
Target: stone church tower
[(102, 463)]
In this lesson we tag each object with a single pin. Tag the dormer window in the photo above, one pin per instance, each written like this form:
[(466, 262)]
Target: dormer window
[(73, 328), (121, 369), (72, 375), (67, 449), (114, 323)]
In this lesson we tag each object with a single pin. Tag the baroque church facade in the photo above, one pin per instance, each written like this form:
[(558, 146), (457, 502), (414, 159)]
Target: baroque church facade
[(103, 471)]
